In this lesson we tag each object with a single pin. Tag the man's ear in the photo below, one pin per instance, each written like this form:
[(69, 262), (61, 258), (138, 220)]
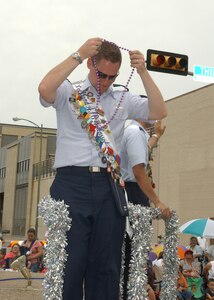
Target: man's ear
[(89, 63)]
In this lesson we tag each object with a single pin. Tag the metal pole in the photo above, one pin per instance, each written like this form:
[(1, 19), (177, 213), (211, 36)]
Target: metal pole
[(39, 178), (39, 166)]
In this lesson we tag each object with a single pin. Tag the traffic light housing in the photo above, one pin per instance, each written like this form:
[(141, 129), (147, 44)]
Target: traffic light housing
[(167, 62)]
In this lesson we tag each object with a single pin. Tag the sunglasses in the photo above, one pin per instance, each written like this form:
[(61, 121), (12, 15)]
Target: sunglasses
[(102, 75)]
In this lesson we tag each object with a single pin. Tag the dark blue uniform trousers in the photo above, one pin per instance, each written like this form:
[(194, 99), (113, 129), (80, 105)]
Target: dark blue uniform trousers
[(135, 196), (95, 238)]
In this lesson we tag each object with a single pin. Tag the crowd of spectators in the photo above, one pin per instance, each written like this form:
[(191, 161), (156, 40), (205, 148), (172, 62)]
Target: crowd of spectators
[(32, 248), (195, 272)]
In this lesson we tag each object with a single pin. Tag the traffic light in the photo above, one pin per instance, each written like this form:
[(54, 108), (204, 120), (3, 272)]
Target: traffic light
[(167, 62)]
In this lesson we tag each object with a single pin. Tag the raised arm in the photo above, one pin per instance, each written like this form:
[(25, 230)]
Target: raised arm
[(54, 78), (157, 106)]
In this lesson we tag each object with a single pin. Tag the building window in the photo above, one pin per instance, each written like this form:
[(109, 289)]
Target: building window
[(23, 166), (20, 208), (7, 139), (2, 172)]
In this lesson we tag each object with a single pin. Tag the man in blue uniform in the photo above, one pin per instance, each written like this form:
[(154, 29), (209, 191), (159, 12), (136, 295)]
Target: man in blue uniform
[(135, 151), (90, 120)]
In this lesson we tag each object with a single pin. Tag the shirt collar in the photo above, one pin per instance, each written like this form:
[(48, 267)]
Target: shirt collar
[(133, 122), (87, 84)]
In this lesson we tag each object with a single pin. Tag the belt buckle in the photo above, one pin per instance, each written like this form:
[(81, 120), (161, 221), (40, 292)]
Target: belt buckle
[(94, 169)]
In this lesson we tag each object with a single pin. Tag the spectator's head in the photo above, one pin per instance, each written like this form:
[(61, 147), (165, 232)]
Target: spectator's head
[(210, 284), (188, 255), (16, 249), (193, 241), (31, 234), (160, 255)]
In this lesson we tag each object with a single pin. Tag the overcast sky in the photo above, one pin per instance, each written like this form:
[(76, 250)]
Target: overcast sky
[(37, 35)]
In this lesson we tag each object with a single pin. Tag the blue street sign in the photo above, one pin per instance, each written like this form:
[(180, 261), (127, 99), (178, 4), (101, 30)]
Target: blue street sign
[(204, 74)]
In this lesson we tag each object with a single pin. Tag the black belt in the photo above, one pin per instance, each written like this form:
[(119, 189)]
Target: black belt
[(131, 183), (89, 169)]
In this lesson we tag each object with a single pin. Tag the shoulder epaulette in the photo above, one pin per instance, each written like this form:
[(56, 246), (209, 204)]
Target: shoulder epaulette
[(142, 129), (68, 80), (77, 84), (115, 85), (143, 96)]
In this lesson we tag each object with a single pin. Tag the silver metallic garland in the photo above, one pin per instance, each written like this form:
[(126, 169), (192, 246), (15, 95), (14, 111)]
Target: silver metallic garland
[(170, 259), (140, 248), (55, 216), (122, 268), (140, 219)]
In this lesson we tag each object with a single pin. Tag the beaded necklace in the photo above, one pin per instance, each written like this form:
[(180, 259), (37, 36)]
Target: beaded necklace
[(98, 85)]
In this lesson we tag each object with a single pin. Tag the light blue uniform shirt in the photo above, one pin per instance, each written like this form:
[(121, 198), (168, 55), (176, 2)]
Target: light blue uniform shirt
[(73, 144), (134, 150)]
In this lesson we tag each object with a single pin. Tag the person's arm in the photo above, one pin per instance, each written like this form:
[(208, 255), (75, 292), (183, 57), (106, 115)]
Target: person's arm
[(206, 269), (196, 270), (38, 254), (187, 273), (145, 185), (49, 84), (151, 293), (159, 131), (182, 283), (157, 106), (208, 297), (207, 255)]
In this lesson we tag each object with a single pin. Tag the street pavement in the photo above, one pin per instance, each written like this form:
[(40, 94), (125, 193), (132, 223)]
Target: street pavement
[(13, 286)]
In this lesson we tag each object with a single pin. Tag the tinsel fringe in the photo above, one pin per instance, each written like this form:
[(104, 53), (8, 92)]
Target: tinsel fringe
[(55, 216), (140, 218)]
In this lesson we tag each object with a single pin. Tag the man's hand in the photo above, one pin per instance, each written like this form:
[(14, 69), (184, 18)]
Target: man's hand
[(159, 129), (165, 210), (137, 61), (90, 48)]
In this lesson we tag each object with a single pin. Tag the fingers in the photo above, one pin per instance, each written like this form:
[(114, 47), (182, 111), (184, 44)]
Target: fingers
[(90, 48), (158, 124), (159, 129), (96, 43), (166, 213), (137, 59)]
